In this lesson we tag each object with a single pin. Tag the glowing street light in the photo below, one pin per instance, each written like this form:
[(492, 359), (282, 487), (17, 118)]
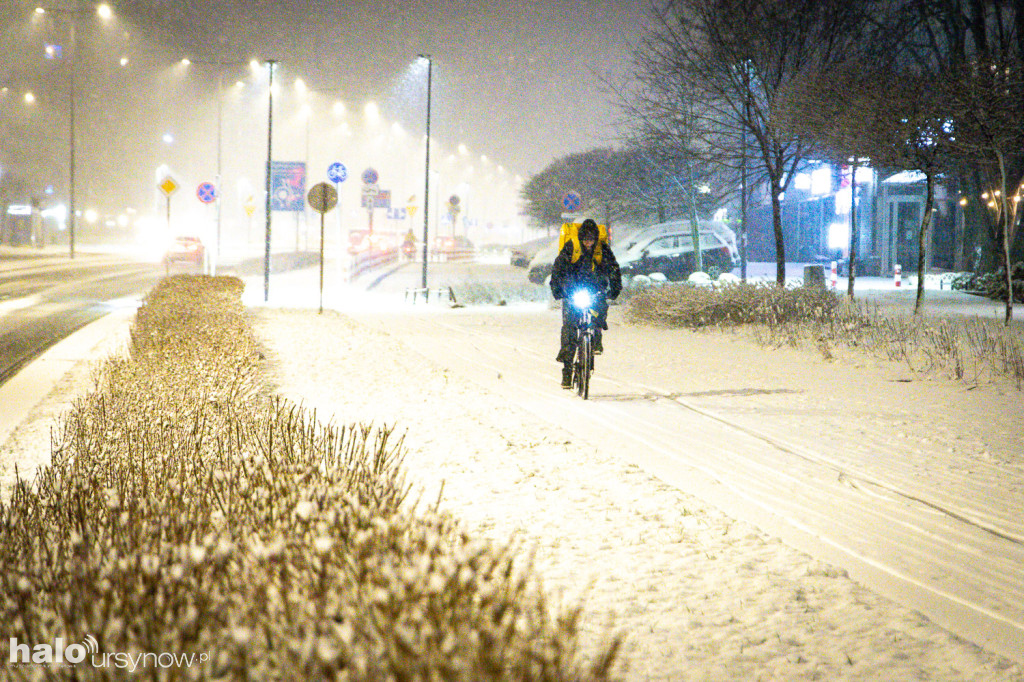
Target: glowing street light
[(271, 63), (426, 175), (105, 13), (220, 126)]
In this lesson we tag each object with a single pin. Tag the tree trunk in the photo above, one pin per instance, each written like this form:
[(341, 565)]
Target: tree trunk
[(1004, 227), (960, 228), (922, 238), (780, 246), (851, 270)]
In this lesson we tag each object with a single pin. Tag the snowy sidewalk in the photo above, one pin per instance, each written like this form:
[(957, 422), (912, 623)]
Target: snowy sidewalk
[(698, 595)]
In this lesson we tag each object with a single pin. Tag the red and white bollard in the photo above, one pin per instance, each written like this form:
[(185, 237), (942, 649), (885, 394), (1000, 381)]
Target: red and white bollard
[(835, 276), (897, 277)]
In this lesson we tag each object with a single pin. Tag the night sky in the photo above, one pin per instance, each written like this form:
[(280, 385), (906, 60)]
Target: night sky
[(518, 83), (517, 80)]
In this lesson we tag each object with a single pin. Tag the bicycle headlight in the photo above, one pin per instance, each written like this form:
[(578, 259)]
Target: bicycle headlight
[(582, 299)]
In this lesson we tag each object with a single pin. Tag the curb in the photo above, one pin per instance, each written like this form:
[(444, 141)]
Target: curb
[(29, 387)]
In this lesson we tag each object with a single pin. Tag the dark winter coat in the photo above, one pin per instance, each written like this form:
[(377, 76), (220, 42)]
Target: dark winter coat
[(604, 269)]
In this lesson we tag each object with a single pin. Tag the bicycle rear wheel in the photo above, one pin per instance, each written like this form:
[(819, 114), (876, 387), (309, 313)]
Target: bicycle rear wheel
[(585, 362)]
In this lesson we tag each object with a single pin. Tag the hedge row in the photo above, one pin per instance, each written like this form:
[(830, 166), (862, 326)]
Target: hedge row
[(687, 305), (187, 513)]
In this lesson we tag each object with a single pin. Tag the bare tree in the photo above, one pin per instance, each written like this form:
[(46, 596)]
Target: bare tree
[(615, 185), (829, 109), (889, 117), (707, 76), (953, 38), (987, 116)]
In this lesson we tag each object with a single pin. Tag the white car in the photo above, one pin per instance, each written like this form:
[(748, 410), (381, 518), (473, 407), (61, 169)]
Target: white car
[(667, 248)]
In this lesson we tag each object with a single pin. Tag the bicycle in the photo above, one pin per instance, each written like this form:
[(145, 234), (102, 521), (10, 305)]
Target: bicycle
[(584, 301)]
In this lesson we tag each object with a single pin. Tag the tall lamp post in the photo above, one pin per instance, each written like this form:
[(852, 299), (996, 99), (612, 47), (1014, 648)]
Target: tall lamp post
[(426, 176), (104, 12), (271, 63), (220, 127)]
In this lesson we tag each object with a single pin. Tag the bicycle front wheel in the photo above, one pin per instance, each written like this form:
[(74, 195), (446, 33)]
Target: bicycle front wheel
[(585, 350)]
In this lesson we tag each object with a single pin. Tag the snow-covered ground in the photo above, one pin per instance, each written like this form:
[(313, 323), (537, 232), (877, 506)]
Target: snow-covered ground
[(841, 481)]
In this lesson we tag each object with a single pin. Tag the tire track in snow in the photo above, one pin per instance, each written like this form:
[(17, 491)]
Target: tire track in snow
[(958, 566)]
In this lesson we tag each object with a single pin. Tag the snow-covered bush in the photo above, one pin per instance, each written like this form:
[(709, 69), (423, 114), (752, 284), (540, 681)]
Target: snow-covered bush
[(699, 279), (188, 512), (965, 349), (993, 284), (690, 305), (500, 293)]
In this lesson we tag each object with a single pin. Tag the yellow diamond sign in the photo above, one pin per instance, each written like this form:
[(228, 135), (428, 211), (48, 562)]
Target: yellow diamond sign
[(168, 186)]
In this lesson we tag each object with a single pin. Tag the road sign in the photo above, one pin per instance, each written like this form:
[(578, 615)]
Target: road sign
[(337, 172), (369, 194), (322, 197), (206, 192), (572, 201), (287, 186), (370, 177), (168, 185)]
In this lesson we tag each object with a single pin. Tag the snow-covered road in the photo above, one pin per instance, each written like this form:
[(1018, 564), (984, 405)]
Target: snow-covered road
[(713, 494), (912, 485), (915, 487)]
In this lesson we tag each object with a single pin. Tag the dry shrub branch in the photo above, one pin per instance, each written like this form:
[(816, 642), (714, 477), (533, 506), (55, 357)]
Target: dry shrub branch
[(968, 349), (186, 511)]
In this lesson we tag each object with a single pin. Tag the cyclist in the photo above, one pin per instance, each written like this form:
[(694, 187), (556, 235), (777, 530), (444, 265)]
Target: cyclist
[(584, 261)]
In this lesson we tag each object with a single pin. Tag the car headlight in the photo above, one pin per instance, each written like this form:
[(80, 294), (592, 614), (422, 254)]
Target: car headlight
[(582, 299)]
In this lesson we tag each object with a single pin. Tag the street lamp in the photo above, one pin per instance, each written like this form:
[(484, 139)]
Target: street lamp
[(306, 99), (271, 63), (426, 175), (220, 125), (104, 12)]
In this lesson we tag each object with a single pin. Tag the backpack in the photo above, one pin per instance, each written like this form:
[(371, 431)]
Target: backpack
[(570, 233)]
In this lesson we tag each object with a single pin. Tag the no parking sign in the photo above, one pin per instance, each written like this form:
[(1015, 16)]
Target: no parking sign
[(206, 192), (572, 201)]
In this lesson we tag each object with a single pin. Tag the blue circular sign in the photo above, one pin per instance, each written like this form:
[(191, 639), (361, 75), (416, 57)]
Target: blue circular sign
[(206, 192), (337, 172), (572, 201), (370, 176)]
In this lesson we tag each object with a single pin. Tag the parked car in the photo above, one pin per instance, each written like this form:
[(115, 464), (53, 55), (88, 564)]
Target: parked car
[(185, 249), (520, 256), (539, 268), (494, 254), (668, 248), (453, 246)]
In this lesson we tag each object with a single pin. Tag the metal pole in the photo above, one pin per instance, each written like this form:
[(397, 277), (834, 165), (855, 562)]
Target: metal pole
[(71, 139), (220, 125), (743, 185), (322, 263), (270, 137), (426, 177), (698, 252)]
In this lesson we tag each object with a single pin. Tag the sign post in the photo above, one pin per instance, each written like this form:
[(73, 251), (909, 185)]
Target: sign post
[(453, 211), (322, 198), (370, 191), (168, 185), (337, 173), (206, 192)]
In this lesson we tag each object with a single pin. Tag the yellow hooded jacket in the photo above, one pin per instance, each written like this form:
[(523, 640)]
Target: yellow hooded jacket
[(570, 233)]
